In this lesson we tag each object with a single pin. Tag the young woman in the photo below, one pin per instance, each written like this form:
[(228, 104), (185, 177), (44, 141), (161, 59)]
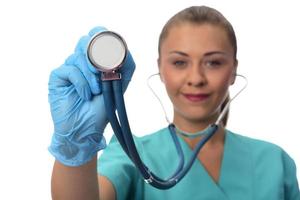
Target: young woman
[(197, 63)]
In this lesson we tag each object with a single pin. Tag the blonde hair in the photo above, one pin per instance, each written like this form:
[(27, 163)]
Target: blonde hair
[(199, 15)]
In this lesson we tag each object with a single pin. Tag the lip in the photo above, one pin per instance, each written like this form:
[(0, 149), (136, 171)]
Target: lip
[(196, 97)]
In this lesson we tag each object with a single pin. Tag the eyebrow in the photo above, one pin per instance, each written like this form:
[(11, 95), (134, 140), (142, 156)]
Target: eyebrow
[(179, 52), (206, 54)]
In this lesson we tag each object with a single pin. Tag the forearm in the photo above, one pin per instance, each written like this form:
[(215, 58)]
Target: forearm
[(75, 183)]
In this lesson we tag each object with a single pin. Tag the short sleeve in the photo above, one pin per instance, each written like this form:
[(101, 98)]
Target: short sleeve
[(118, 168), (291, 186)]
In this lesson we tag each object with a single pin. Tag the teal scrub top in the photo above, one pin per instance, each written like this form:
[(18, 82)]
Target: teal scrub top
[(251, 169)]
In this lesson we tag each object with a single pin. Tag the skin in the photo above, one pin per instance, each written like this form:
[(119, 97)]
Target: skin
[(188, 64), (77, 183), (198, 60)]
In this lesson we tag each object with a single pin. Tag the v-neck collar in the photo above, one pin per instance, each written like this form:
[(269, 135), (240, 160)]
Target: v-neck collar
[(236, 176), (235, 171), (202, 173)]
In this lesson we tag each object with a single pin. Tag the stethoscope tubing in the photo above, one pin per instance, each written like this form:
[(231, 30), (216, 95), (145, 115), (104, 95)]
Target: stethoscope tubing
[(110, 109), (113, 98), (120, 105)]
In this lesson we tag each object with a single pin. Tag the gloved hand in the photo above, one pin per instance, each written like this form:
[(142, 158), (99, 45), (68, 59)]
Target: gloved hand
[(77, 105)]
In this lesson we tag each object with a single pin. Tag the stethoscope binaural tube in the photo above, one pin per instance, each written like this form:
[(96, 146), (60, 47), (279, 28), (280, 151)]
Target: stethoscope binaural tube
[(104, 43)]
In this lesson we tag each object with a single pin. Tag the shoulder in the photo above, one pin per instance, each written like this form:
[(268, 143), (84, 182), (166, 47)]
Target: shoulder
[(158, 136), (256, 145), (262, 151), (149, 139), (143, 144), (271, 166)]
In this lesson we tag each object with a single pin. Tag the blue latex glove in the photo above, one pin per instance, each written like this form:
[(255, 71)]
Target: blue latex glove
[(77, 106)]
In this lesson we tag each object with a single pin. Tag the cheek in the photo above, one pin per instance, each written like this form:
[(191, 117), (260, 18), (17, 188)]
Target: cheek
[(222, 84), (170, 84), (171, 80)]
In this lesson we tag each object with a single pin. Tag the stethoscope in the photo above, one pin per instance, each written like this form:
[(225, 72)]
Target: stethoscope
[(107, 52)]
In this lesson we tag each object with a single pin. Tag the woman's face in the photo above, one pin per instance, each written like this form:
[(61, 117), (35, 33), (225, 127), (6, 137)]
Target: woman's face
[(197, 66)]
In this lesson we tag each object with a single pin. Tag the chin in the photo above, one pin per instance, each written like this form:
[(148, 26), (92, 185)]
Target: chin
[(197, 119), (207, 113), (202, 120)]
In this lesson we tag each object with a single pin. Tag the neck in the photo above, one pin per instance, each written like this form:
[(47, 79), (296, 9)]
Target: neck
[(193, 127)]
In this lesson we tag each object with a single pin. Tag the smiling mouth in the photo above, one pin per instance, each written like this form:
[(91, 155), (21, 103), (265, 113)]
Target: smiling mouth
[(196, 97)]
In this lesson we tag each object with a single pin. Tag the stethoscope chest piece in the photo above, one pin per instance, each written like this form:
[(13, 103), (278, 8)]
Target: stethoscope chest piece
[(107, 52)]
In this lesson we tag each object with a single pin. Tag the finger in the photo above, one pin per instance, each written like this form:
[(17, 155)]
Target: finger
[(92, 78), (83, 43), (81, 46), (128, 67), (96, 30), (84, 40), (67, 75)]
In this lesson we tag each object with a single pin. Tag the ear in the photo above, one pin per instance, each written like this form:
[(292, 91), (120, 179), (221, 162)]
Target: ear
[(233, 75), (159, 70)]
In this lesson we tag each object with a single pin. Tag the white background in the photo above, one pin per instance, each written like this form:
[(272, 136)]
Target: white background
[(36, 37)]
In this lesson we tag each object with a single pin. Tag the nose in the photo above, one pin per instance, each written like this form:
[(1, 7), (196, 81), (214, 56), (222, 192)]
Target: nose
[(196, 76)]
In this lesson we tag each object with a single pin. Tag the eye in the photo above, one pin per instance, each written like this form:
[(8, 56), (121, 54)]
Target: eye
[(214, 63), (180, 63)]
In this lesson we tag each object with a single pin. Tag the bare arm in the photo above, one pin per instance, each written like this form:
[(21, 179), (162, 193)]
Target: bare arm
[(75, 183)]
